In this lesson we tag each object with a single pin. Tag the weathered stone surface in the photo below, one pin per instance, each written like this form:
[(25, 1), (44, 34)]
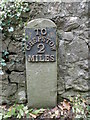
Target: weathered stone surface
[(8, 89), (77, 75), (41, 77), (3, 100), (15, 47), (16, 62), (18, 77), (73, 23), (81, 85), (67, 36), (0, 47), (4, 46), (71, 92), (76, 50), (21, 95), (61, 85), (11, 66), (83, 64), (4, 76)]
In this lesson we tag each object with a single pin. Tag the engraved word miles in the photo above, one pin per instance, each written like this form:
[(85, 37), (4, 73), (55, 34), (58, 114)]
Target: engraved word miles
[(41, 45)]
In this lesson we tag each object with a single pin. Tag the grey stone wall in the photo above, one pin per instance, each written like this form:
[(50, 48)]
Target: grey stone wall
[(72, 20)]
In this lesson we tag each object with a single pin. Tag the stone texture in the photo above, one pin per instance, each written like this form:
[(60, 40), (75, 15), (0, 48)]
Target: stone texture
[(16, 62), (72, 21), (41, 77), (67, 36), (40, 22), (21, 94), (18, 77), (76, 50), (3, 100), (17, 47), (4, 46), (4, 76), (8, 89), (81, 85)]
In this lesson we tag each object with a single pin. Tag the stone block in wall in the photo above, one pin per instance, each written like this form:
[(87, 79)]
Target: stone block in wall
[(71, 24), (76, 50), (15, 47), (61, 48), (13, 66), (77, 78), (68, 36), (16, 62), (81, 85), (71, 92), (3, 80), (4, 76), (4, 46), (4, 100), (21, 93), (10, 66), (68, 93), (17, 77), (17, 57), (83, 64), (20, 57), (18, 34), (8, 89), (60, 22), (61, 85)]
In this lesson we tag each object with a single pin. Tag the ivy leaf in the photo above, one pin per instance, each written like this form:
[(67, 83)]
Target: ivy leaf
[(1, 28), (18, 14), (36, 112), (3, 64), (1, 72)]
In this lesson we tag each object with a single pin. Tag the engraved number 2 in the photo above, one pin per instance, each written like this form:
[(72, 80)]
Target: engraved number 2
[(41, 48)]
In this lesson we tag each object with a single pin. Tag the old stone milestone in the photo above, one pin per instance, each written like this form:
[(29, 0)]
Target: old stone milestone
[(41, 63)]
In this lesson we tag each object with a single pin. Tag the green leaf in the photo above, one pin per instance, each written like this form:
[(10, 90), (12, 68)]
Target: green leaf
[(30, 110), (3, 64), (25, 108), (28, 115), (2, 60), (18, 107), (21, 112), (19, 115), (13, 111), (8, 115), (36, 112), (1, 116), (88, 108)]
